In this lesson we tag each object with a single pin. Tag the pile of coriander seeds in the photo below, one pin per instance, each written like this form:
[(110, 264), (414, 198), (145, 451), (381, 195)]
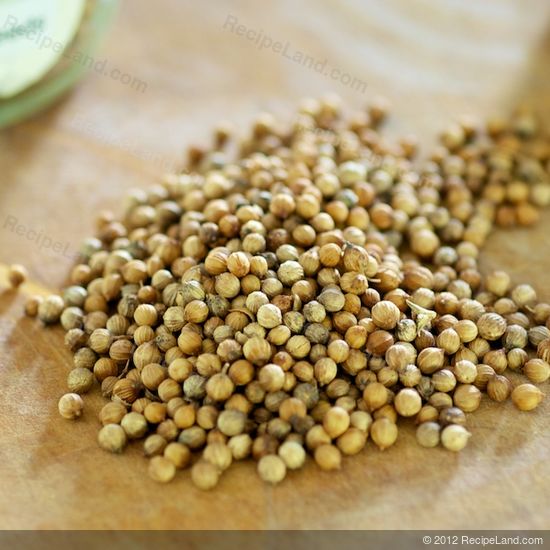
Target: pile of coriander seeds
[(308, 295)]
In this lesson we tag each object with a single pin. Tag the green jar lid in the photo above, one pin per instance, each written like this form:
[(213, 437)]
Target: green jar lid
[(45, 47)]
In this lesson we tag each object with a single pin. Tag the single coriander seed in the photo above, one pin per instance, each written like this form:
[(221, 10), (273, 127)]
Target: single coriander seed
[(293, 454), (70, 406), (384, 433), (17, 275), (161, 469), (112, 437), (428, 434), (328, 457), (205, 475), (272, 469), (526, 397), (454, 437)]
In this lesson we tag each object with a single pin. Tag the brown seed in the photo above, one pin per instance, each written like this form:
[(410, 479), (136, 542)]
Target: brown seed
[(178, 454), (465, 372), (336, 421), (537, 370), (385, 314), (499, 388), (231, 422), (408, 402), (112, 413), (220, 387), (126, 390), (428, 434), (145, 314), (292, 407), (32, 304), (218, 454), (241, 446), (196, 311), (152, 375), (543, 350), (526, 397), (80, 380), (154, 445), (70, 406), (50, 309), (384, 433), (375, 396), (17, 275), (272, 469), (428, 413), (352, 441), (161, 469), (452, 415), (271, 377), (379, 341), (112, 438), (454, 437), (134, 424), (467, 397), (205, 475), (444, 380), (238, 264), (491, 326), (430, 360), (257, 350), (328, 457)]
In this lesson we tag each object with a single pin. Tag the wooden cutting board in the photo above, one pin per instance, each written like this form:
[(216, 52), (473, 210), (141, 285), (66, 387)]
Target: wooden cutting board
[(434, 61)]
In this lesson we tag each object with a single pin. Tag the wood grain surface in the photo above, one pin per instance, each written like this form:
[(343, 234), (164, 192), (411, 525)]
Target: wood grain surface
[(434, 60)]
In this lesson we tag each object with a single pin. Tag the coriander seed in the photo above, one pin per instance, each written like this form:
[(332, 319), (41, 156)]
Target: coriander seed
[(178, 454), (80, 380), (328, 457), (70, 406), (32, 304), (384, 433), (499, 388), (205, 475), (452, 415), (161, 469), (272, 469), (17, 275), (112, 413), (112, 437), (218, 454), (240, 445), (134, 424), (293, 455), (231, 422), (50, 309), (385, 314), (336, 421), (154, 445), (428, 434), (375, 396), (408, 402), (454, 437), (467, 397), (269, 316), (352, 441), (537, 370), (526, 397)]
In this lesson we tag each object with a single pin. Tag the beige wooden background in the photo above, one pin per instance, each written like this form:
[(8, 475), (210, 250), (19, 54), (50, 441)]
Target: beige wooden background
[(434, 60)]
